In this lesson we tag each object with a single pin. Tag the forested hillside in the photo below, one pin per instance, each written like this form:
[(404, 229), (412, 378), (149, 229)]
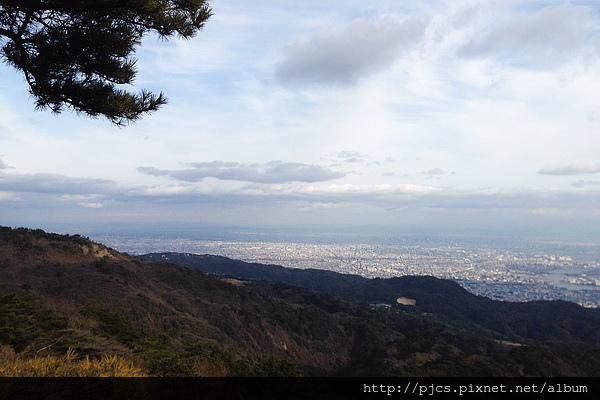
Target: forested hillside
[(71, 307), (558, 324)]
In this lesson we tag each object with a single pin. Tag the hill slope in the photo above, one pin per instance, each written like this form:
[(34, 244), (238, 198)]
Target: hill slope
[(65, 292), (558, 324), (76, 277)]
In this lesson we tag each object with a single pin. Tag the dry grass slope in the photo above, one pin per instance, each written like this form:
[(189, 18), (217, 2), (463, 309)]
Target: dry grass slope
[(68, 365)]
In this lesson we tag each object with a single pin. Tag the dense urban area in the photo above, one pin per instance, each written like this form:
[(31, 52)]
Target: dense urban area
[(524, 274)]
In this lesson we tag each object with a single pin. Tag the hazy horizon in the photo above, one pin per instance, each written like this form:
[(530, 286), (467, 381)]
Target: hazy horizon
[(307, 233)]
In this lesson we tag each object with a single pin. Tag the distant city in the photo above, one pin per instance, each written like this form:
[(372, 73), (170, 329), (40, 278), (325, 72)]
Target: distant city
[(502, 269)]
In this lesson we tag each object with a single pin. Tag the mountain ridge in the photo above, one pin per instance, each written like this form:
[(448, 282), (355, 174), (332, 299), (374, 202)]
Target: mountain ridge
[(545, 321), (66, 292)]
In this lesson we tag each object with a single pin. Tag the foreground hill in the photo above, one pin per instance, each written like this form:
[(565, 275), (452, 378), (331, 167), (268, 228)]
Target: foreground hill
[(66, 292), (136, 304)]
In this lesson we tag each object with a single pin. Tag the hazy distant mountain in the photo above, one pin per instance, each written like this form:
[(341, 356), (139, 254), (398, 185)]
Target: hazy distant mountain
[(64, 292)]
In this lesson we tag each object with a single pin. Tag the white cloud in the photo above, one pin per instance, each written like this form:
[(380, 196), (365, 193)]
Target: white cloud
[(582, 183), (52, 184), (92, 205), (436, 171), (270, 172), (545, 36), (348, 156), (9, 196), (342, 56), (369, 190), (571, 169)]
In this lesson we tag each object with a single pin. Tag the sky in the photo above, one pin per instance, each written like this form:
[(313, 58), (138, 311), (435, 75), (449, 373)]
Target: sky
[(441, 115)]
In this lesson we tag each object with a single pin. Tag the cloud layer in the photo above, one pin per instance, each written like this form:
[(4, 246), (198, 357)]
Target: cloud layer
[(271, 172), (571, 169), (549, 35), (53, 184)]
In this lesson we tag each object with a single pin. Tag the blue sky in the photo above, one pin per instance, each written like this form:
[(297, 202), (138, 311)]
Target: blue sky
[(430, 114)]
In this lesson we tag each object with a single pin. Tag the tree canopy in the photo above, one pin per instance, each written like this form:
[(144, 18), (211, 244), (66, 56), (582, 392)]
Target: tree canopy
[(76, 54)]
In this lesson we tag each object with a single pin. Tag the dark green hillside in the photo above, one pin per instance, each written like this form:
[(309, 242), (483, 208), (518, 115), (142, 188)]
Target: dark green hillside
[(325, 281), (454, 311), (71, 307), (143, 305)]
